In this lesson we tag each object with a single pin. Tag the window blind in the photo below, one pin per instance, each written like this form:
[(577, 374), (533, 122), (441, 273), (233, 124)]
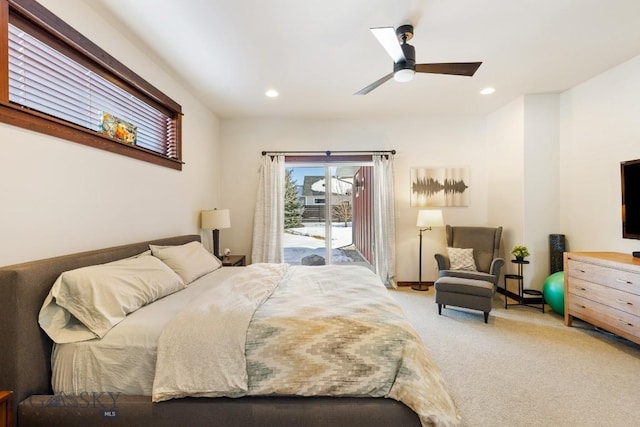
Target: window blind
[(44, 79)]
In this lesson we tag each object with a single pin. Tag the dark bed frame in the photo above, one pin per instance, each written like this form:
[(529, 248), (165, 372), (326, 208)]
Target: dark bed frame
[(25, 352)]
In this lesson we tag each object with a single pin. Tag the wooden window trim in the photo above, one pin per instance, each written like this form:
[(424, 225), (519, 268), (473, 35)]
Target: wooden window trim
[(12, 114), (42, 123)]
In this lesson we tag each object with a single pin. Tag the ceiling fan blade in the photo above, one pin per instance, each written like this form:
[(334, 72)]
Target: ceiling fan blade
[(389, 41), (374, 85), (456, 68)]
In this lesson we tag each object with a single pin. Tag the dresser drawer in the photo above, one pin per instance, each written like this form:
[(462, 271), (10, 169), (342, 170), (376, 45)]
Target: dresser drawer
[(617, 321), (623, 301), (618, 279)]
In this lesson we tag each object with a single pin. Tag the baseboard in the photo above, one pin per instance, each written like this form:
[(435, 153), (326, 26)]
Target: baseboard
[(428, 284)]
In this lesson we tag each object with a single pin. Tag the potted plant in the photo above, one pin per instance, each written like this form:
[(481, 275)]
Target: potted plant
[(520, 252)]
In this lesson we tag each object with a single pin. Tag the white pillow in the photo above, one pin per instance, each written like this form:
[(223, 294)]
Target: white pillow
[(461, 259), (87, 302), (190, 260)]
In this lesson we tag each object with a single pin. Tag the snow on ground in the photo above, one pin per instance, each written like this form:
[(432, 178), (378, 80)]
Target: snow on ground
[(310, 240), (312, 235)]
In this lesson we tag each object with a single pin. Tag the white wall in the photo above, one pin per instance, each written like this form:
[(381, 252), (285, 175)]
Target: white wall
[(556, 164), (420, 142), (524, 180), (60, 197), (541, 183), (600, 127), (505, 137)]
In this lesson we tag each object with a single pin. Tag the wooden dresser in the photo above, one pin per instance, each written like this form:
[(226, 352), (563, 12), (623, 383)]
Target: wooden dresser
[(603, 288)]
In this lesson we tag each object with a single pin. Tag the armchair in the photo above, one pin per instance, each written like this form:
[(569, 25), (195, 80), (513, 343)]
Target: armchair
[(465, 288), (485, 242)]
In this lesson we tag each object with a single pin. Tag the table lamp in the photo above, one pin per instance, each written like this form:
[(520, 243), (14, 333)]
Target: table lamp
[(215, 220)]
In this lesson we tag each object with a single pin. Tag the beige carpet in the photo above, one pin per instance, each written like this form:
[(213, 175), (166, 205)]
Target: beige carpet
[(525, 368)]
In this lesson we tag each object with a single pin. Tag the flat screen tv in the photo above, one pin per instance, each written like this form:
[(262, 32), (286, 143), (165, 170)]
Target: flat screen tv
[(630, 177)]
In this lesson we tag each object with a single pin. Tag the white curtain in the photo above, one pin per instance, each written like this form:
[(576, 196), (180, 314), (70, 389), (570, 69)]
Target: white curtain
[(268, 222), (384, 219)]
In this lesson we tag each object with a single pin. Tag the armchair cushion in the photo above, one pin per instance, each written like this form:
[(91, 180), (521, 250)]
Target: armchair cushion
[(465, 286), (474, 275), (461, 259)]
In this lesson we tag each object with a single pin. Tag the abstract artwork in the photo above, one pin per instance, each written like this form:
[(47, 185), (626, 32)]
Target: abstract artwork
[(442, 186)]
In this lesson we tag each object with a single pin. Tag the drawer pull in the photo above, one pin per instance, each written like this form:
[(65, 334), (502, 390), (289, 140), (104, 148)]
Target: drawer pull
[(625, 322), (624, 281), (625, 302), (582, 289)]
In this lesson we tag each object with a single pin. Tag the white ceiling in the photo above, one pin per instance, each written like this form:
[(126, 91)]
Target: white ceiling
[(318, 53)]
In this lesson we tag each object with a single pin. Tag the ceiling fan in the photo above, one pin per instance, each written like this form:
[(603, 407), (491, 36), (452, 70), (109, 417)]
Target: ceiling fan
[(404, 58)]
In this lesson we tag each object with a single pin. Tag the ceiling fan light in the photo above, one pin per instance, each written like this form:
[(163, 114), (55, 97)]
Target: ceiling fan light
[(403, 75)]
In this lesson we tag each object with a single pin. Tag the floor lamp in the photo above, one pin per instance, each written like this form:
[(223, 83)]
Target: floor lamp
[(215, 220), (427, 219)]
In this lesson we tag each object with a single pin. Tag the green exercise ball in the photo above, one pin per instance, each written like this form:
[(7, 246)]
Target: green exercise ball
[(553, 291)]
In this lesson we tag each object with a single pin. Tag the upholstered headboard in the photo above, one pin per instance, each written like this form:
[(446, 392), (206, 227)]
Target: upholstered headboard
[(25, 350)]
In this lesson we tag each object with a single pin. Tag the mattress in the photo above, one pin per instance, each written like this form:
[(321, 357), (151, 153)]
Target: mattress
[(124, 360)]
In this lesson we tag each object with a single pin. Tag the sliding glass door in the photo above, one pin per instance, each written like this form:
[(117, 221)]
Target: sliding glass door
[(321, 226)]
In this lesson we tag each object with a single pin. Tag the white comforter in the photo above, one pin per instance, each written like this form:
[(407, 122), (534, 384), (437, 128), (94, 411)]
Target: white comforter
[(202, 351), (328, 331)]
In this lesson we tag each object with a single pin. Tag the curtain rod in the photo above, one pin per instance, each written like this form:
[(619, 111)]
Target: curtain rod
[(328, 152)]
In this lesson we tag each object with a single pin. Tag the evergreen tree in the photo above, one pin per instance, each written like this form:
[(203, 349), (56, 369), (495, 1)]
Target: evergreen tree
[(293, 207)]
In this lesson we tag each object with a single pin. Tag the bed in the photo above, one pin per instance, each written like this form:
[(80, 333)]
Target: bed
[(26, 355)]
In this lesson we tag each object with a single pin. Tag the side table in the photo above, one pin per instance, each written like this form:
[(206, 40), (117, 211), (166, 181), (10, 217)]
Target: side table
[(6, 409), (234, 261), (523, 294)]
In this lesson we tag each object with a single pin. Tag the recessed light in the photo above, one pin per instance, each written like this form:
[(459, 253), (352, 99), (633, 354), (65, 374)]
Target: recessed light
[(272, 93), (487, 91)]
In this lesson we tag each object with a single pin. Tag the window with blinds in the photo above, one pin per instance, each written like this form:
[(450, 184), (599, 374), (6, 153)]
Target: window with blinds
[(52, 81)]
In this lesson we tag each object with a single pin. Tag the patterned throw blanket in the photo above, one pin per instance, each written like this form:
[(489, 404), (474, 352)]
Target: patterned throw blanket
[(326, 330)]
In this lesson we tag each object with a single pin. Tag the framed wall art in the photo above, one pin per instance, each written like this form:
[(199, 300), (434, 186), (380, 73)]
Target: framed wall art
[(439, 186)]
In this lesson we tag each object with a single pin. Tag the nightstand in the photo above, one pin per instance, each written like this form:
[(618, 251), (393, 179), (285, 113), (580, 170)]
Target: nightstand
[(234, 261), (6, 409)]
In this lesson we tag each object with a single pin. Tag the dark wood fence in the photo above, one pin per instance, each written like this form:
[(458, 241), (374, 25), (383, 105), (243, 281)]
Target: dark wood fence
[(315, 213)]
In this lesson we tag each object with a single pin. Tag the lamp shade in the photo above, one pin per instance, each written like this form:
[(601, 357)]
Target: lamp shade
[(430, 218), (215, 219)]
